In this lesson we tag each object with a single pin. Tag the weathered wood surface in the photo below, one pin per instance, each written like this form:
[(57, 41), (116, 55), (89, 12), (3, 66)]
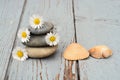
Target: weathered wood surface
[(89, 22), (98, 22), (53, 67), (10, 12)]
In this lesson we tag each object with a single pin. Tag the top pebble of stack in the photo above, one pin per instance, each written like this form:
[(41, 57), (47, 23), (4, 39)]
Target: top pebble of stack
[(46, 27)]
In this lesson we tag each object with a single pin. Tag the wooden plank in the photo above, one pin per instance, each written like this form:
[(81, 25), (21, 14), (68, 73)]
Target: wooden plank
[(55, 67), (10, 12), (98, 22)]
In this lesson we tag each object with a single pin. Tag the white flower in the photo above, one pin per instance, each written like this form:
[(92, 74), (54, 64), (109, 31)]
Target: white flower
[(24, 35), (52, 39), (19, 54), (36, 21)]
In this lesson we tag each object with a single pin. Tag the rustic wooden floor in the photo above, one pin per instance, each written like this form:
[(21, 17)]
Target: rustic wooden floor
[(88, 22)]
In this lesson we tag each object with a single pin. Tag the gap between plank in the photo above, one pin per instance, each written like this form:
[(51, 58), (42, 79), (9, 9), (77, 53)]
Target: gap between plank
[(20, 19), (74, 21)]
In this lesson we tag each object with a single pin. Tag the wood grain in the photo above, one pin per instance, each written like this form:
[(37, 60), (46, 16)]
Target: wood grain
[(98, 22), (10, 12), (55, 67)]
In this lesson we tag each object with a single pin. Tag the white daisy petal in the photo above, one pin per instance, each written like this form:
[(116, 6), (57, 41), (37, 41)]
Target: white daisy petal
[(19, 54), (23, 59), (55, 43), (51, 44)]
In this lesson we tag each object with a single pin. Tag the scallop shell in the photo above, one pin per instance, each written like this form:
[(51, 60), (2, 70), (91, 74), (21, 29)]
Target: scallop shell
[(75, 51), (100, 51)]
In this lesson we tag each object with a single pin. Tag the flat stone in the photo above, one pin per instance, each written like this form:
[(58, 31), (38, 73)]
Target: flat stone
[(47, 27), (36, 41), (41, 52)]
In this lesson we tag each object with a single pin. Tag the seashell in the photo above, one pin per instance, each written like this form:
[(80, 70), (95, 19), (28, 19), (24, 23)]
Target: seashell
[(40, 52), (75, 51), (100, 51)]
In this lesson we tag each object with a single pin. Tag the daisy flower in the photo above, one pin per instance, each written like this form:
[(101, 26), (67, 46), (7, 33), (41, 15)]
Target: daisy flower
[(24, 35), (52, 39), (19, 54), (36, 21)]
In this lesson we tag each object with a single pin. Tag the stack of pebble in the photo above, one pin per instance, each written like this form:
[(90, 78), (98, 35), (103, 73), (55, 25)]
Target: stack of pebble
[(37, 46), (40, 39)]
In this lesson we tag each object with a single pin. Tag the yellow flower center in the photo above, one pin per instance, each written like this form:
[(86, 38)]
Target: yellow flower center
[(24, 34), (37, 21), (20, 53), (52, 38)]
